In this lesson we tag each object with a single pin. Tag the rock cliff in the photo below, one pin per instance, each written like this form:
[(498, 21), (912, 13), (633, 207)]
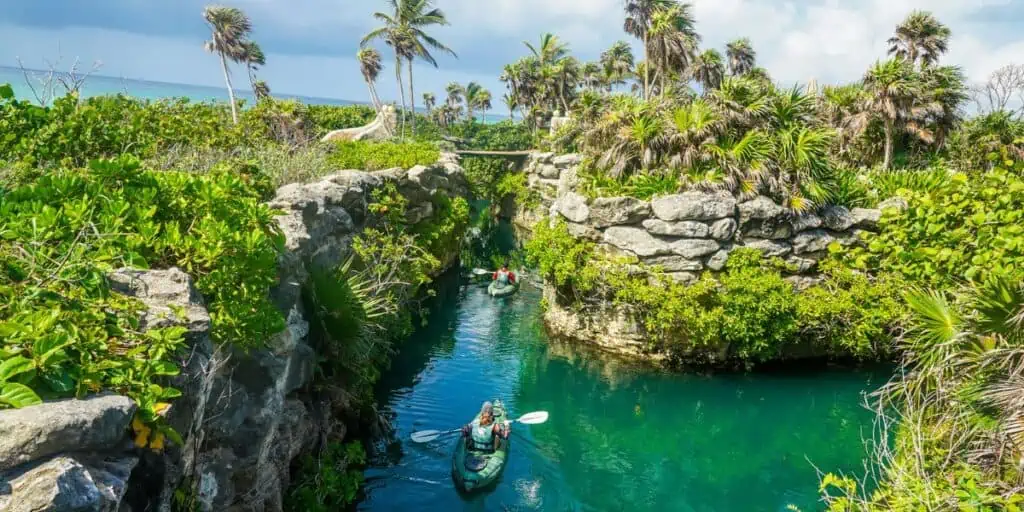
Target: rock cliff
[(683, 235), (243, 415)]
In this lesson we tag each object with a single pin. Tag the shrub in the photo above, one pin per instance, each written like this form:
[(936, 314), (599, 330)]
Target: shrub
[(329, 482), (326, 118), (964, 230), (376, 156), (64, 330)]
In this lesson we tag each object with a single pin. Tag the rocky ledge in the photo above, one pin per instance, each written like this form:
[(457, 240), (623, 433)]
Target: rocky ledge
[(242, 415), (683, 235)]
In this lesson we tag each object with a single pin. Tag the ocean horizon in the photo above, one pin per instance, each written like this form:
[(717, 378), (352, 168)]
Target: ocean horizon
[(102, 85)]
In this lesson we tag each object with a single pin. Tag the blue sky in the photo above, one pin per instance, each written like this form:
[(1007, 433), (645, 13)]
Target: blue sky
[(310, 43)]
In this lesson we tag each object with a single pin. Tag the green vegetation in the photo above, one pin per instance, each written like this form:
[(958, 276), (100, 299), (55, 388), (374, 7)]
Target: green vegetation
[(748, 315), (64, 333), (376, 156), (330, 482)]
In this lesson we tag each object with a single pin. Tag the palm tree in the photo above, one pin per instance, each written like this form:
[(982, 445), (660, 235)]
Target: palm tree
[(617, 62), (370, 66), (261, 90), (891, 88), (253, 57), (455, 93), (472, 92), (741, 56), (394, 35), (708, 70), (639, 14), (921, 36), (511, 102), (593, 75), (483, 102), (551, 49), (429, 100), (946, 91), (229, 28), (672, 42)]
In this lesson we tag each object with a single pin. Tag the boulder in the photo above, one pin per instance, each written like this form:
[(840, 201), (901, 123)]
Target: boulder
[(776, 228), (760, 208), (695, 248), (837, 218), (615, 211), (584, 231), (568, 180), (686, 278), (897, 203), (93, 424), (686, 228), (770, 248), (866, 218), (636, 240), (573, 207), (812, 241), (563, 161), (544, 158), (419, 212), (804, 282), (548, 171), (718, 260), (63, 483), (805, 222), (694, 205), (723, 230), (801, 264), (674, 264)]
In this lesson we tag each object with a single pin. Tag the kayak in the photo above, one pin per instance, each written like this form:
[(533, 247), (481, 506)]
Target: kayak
[(474, 469), (497, 290)]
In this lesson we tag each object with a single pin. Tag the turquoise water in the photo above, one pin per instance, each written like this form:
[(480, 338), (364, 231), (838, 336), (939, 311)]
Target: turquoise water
[(620, 437)]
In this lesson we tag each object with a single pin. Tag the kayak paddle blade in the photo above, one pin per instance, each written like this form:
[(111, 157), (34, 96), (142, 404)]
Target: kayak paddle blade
[(425, 436), (534, 418)]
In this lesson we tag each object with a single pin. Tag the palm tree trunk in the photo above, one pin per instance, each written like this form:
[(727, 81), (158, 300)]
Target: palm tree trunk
[(485, 116), (373, 97), (231, 92), (412, 98), (888, 145), (647, 65), (401, 91)]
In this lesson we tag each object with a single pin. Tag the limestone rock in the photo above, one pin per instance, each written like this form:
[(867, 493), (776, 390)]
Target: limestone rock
[(573, 207), (544, 158), (584, 231), (723, 230), (770, 248), (568, 180), (805, 222), (548, 171), (804, 282), (569, 160), (897, 203), (158, 290), (812, 241), (694, 205), (759, 208), (615, 211), (686, 228), (718, 260), (674, 264), (866, 218), (61, 484), (837, 218), (801, 264), (419, 213), (695, 248), (636, 240), (686, 278), (94, 424), (776, 228)]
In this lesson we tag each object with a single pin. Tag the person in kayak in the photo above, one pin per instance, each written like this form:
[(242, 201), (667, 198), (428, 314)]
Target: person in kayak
[(484, 432), (504, 276)]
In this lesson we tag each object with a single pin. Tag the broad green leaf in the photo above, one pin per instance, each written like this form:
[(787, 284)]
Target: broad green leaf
[(6, 92), (13, 367), (164, 368), (18, 395)]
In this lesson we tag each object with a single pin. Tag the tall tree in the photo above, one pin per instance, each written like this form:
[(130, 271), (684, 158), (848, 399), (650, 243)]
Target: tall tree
[(472, 91), (672, 41), (483, 102), (455, 93), (709, 70), (617, 62), (394, 35), (229, 29), (429, 100), (253, 57), (370, 66), (511, 102), (920, 37), (891, 88), (551, 49), (639, 14), (741, 56)]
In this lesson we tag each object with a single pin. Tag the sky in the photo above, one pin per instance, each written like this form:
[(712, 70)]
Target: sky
[(310, 44)]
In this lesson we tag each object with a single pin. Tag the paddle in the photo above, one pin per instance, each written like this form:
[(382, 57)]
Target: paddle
[(426, 436)]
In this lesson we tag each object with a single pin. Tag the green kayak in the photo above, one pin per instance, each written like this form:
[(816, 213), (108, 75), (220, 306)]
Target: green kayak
[(498, 290), (473, 469)]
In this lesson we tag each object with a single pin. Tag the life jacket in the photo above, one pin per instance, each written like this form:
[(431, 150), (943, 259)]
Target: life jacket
[(482, 435), (503, 278)]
